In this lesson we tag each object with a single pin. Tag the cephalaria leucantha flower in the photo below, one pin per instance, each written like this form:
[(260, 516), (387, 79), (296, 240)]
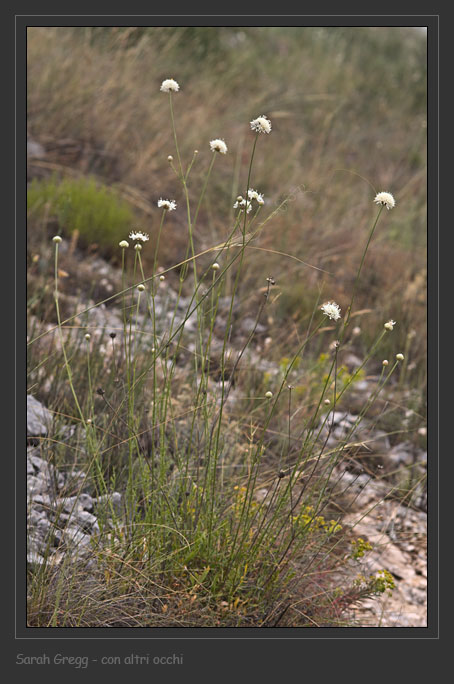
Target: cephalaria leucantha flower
[(332, 310), (386, 199), (169, 205), (261, 124), (143, 237), (169, 85), (218, 145)]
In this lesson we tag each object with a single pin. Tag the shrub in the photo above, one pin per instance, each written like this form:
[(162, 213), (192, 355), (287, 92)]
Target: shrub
[(92, 209)]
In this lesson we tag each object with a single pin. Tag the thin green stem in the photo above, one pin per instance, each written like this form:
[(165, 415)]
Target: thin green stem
[(355, 285)]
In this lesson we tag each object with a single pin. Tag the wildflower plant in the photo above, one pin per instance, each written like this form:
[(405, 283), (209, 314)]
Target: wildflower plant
[(206, 511)]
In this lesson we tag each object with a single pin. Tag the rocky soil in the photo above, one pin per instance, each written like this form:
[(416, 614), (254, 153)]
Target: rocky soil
[(63, 515)]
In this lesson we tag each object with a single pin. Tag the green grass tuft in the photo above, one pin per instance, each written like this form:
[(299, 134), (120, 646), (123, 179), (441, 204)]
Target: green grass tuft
[(92, 209)]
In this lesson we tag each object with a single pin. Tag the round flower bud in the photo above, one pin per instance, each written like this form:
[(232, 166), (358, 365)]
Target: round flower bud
[(56, 238), (162, 277), (327, 402), (138, 247), (170, 158), (215, 266), (385, 362), (268, 395), (87, 336), (400, 357), (141, 287), (123, 244)]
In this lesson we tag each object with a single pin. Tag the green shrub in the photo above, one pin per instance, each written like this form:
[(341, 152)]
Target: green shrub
[(96, 211)]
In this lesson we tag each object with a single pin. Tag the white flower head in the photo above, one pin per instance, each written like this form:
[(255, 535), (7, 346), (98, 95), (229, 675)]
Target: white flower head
[(169, 205), (261, 124), (123, 244), (218, 145), (168, 85), (253, 194), (386, 199), (390, 325), (241, 203), (400, 357), (56, 238), (143, 237), (332, 310)]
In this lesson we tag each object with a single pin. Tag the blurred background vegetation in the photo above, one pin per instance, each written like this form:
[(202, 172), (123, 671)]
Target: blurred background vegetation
[(348, 108)]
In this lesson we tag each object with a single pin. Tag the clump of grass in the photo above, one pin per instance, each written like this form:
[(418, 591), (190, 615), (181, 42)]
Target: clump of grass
[(96, 212), (222, 523)]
